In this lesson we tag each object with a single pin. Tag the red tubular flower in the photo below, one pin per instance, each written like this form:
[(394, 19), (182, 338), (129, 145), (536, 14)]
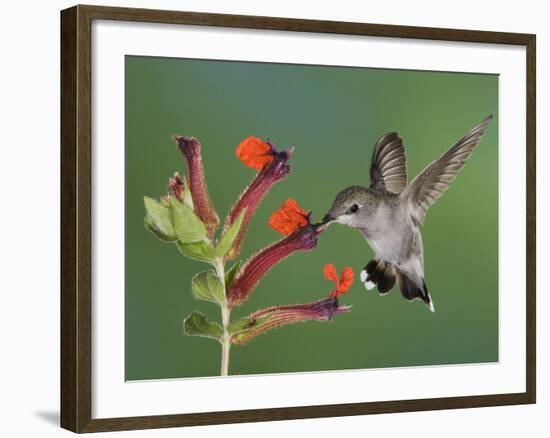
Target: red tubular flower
[(255, 153), (343, 283), (272, 317), (321, 310), (303, 239), (176, 187), (274, 170), (289, 218), (191, 150)]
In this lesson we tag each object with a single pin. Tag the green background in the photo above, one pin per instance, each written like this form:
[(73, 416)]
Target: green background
[(333, 115)]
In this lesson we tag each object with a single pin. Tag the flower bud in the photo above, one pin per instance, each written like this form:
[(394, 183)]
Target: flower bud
[(191, 150)]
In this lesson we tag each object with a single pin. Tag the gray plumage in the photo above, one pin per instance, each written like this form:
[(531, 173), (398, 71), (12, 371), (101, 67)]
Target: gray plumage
[(389, 212)]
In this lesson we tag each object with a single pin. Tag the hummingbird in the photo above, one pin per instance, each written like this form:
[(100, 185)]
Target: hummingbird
[(390, 212)]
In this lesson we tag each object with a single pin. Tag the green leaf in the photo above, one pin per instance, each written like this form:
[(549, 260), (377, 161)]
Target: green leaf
[(227, 240), (197, 324), (187, 198), (202, 251), (149, 225), (158, 219), (207, 286), (187, 225), (231, 273)]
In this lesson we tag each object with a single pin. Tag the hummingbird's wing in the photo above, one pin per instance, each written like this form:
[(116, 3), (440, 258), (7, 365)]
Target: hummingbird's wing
[(388, 169), (430, 184)]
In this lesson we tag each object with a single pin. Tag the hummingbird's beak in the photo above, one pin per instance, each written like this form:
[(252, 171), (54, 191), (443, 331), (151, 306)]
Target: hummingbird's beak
[(327, 219)]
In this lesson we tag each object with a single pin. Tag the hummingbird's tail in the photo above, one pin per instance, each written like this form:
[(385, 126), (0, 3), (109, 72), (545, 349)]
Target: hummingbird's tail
[(383, 275), (411, 291), (378, 273)]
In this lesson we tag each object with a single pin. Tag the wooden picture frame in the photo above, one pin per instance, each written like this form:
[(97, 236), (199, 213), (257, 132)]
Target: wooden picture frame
[(76, 217)]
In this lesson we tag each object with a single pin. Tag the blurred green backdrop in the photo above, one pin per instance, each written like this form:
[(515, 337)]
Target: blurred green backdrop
[(333, 115)]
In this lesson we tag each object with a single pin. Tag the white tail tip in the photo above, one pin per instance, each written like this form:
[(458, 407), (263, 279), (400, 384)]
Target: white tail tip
[(368, 284)]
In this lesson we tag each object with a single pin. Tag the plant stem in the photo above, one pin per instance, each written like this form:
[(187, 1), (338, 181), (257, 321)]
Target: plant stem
[(226, 319), (226, 340)]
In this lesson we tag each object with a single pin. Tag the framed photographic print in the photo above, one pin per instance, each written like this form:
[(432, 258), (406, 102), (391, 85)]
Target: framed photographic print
[(268, 218)]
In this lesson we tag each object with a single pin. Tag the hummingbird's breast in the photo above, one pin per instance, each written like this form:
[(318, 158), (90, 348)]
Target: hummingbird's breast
[(390, 233)]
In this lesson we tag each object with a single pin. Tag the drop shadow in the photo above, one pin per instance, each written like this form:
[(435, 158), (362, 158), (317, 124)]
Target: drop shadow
[(51, 417)]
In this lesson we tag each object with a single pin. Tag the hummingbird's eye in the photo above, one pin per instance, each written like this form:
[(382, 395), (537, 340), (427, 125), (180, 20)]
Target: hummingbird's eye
[(353, 209)]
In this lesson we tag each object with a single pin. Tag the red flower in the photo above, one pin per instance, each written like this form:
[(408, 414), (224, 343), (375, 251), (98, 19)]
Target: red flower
[(289, 218), (255, 153), (303, 239), (176, 186), (343, 283), (275, 170), (263, 320)]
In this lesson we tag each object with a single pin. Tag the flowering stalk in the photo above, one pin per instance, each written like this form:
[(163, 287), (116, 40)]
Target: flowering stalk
[(191, 150), (186, 217), (303, 239), (272, 166)]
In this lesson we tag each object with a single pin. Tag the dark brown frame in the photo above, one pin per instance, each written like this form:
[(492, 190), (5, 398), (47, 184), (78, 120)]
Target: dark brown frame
[(76, 225)]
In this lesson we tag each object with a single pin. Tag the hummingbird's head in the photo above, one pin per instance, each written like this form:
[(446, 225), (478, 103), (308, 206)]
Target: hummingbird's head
[(353, 207)]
